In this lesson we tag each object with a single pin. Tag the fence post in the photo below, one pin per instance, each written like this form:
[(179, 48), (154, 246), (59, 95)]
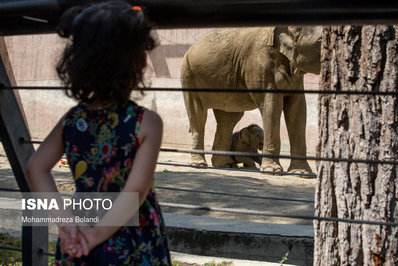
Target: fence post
[(12, 129)]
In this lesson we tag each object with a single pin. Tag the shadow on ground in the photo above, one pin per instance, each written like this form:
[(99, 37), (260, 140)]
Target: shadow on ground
[(247, 183), (283, 188)]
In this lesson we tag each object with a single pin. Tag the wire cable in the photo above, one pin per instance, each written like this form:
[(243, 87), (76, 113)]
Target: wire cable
[(213, 193), (9, 189), (271, 214), (42, 252), (11, 248), (229, 90), (271, 156), (198, 191), (233, 195), (274, 156), (25, 141), (240, 170)]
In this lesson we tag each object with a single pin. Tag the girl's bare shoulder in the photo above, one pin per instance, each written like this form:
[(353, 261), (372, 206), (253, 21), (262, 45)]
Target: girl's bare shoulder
[(151, 121)]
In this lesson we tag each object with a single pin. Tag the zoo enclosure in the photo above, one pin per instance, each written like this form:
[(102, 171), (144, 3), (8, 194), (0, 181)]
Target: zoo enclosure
[(41, 16)]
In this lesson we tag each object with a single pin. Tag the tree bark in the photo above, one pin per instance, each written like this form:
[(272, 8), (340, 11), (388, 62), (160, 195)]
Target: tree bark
[(361, 127)]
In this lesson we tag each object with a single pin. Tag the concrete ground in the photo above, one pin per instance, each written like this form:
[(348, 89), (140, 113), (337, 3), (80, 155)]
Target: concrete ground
[(262, 232), (201, 260)]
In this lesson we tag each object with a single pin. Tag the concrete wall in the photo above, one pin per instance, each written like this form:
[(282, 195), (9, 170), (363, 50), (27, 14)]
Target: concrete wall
[(33, 59)]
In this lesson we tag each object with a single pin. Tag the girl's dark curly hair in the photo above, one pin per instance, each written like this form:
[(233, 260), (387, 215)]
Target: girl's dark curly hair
[(105, 57)]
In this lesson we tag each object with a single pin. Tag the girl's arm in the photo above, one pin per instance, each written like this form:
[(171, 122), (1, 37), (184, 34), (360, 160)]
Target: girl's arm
[(43, 160), (40, 177), (139, 180), (40, 165)]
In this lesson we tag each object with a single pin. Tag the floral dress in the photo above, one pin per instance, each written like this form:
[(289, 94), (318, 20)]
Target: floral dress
[(100, 146)]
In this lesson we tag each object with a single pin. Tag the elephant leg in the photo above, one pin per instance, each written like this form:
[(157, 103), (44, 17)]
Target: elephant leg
[(226, 122), (248, 162), (295, 111), (197, 116), (257, 160), (271, 111)]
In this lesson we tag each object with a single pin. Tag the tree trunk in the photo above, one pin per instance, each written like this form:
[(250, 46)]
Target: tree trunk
[(361, 127)]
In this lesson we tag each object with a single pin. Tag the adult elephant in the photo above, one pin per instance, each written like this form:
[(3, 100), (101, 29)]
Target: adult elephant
[(253, 58)]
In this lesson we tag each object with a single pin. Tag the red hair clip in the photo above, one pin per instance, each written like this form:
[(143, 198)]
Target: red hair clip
[(136, 8)]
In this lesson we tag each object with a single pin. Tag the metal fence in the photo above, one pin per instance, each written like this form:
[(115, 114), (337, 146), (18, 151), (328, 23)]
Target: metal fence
[(35, 17)]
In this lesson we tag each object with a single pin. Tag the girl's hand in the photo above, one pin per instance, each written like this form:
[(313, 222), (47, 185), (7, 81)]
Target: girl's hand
[(90, 235), (72, 241)]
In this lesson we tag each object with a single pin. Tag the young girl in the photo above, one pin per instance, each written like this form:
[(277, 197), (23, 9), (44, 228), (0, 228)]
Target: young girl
[(110, 142)]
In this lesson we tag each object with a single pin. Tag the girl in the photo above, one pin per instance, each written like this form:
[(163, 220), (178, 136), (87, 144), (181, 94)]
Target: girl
[(110, 142)]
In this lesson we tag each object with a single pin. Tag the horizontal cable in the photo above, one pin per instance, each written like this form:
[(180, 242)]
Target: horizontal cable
[(272, 214), (7, 176), (34, 17), (9, 189), (55, 179), (213, 192), (42, 252), (274, 156), (232, 194), (64, 180), (271, 156), (229, 90), (11, 248), (25, 141), (239, 170)]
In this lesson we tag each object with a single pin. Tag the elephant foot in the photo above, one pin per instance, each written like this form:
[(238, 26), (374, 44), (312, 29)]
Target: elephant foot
[(198, 163), (222, 161), (226, 166), (274, 167), (198, 160), (300, 168)]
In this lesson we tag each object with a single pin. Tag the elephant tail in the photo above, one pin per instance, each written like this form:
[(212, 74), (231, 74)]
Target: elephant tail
[(186, 72), (187, 81), (188, 101)]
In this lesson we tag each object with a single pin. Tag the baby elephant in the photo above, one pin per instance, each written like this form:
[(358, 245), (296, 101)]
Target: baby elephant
[(248, 139)]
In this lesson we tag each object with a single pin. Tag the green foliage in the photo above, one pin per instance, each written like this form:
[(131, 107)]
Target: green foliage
[(284, 258), (10, 257), (52, 248), (212, 263), (223, 263)]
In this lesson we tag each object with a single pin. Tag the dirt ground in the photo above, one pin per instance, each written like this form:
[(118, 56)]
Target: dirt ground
[(226, 181)]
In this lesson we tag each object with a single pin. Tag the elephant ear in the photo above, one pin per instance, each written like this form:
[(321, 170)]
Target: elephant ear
[(286, 40), (244, 135)]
